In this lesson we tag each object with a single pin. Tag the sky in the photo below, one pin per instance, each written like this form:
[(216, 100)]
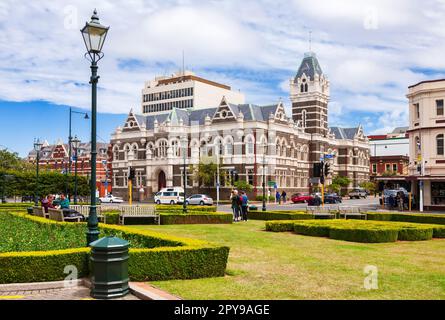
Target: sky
[(371, 52)]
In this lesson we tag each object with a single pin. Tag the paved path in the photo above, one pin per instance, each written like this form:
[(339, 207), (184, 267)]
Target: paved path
[(75, 293)]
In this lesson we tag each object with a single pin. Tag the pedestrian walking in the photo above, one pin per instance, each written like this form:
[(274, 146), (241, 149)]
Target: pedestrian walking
[(235, 205), (400, 200), (283, 196), (244, 205), (278, 197)]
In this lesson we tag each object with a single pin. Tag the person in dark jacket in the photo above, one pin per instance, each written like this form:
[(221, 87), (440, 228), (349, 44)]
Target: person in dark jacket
[(235, 205), (244, 205), (283, 196)]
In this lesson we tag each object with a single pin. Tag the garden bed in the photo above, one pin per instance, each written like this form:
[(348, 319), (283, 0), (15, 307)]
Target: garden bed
[(34, 249), (359, 231)]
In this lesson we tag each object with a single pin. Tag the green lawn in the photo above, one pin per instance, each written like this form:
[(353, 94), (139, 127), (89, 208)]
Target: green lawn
[(266, 265)]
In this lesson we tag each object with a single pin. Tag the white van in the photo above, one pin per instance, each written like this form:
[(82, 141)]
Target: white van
[(174, 195)]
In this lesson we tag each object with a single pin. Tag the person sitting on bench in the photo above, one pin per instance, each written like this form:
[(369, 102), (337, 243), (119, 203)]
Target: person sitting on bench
[(65, 207)]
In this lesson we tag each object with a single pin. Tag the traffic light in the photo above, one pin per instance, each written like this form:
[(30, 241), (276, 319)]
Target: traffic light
[(131, 174), (317, 170), (327, 169)]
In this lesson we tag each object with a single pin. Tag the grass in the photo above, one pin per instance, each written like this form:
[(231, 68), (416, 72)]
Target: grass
[(266, 265)]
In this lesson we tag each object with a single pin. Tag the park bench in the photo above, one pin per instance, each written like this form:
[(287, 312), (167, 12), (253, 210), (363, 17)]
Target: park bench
[(352, 212), (57, 215), (40, 212), (321, 212), (138, 212), (85, 211)]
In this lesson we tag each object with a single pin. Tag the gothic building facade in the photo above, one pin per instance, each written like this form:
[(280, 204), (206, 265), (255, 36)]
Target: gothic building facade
[(247, 142)]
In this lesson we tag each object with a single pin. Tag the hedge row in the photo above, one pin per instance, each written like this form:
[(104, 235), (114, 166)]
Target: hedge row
[(359, 231), (196, 218), (279, 215), (408, 217), (153, 256), (179, 208)]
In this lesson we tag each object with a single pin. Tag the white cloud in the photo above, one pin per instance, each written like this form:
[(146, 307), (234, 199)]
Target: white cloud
[(370, 68)]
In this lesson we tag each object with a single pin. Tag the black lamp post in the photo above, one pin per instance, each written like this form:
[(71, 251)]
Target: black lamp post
[(94, 35), (184, 145), (76, 144), (264, 176), (37, 147), (70, 144)]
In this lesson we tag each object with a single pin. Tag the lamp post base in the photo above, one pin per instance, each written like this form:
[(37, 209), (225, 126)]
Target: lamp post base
[(92, 235)]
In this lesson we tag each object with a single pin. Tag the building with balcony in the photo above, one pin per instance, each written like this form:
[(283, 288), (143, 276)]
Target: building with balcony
[(426, 137)]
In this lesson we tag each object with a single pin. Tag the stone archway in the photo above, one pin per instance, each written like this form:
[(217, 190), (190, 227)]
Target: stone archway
[(162, 180)]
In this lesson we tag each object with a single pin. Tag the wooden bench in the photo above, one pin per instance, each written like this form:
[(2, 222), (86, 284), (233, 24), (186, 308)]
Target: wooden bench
[(352, 212), (138, 212), (57, 215), (321, 212), (40, 212), (85, 211)]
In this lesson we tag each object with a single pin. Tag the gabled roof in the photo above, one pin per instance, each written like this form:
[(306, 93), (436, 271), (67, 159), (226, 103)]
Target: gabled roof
[(309, 66), (345, 133)]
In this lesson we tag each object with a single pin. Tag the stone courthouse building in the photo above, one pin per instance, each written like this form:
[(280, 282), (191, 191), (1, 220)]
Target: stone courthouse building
[(247, 141)]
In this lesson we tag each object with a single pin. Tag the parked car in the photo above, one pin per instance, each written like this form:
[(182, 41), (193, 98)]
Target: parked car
[(301, 198), (174, 195), (358, 193), (199, 199), (332, 198), (111, 199)]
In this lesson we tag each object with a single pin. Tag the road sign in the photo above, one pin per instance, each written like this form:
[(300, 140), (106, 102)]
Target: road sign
[(271, 183)]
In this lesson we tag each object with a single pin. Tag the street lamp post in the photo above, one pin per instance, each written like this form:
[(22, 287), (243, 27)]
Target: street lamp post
[(70, 144), (264, 176), (37, 147), (184, 145), (76, 144), (94, 35)]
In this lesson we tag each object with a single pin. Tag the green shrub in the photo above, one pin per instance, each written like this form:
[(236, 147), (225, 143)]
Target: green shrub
[(153, 256), (111, 217), (408, 217), (260, 198), (280, 226), (196, 218), (359, 230), (179, 208), (279, 215)]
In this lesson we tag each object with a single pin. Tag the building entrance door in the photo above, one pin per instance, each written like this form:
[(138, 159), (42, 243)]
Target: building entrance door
[(162, 181)]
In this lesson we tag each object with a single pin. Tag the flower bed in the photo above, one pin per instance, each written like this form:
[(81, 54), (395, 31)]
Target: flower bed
[(359, 231), (153, 256)]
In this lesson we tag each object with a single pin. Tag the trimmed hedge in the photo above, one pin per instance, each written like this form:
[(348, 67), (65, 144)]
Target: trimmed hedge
[(153, 256), (196, 218), (178, 208), (279, 215), (111, 217), (408, 217), (359, 231)]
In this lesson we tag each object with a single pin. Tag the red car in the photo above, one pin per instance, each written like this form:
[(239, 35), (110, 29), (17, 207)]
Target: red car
[(301, 198)]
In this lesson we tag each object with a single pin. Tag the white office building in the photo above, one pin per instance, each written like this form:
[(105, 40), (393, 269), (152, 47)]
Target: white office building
[(184, 90)]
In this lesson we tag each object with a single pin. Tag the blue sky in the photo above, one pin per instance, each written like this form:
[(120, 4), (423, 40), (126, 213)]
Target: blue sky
[(370, 50)]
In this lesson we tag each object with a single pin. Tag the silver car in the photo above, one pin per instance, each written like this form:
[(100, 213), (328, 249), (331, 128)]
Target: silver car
[(199, 199)]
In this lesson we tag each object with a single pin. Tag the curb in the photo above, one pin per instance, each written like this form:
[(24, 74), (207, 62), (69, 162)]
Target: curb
[(40, 286)]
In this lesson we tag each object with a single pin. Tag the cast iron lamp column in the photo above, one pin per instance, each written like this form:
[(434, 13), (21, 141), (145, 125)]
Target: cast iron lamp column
[(264, 176), (70, 143), (76, 143), (94, 35), (37, 147), (184, 143)]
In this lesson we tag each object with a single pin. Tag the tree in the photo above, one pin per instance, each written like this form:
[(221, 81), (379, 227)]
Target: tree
[(334, 188), (12, 161), (343, 182), (369, 186), (205, 173), (243, 185)]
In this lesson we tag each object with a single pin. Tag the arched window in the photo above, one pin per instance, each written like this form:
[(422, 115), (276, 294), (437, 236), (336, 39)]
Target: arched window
[(302, 88), (116, 153), (175, 148), (439, 144), (304, 118), (229, 147), (306, 88), (134, 148), (203, 149), (127, 149), (250, 149), (161, 151), (219, 147)]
